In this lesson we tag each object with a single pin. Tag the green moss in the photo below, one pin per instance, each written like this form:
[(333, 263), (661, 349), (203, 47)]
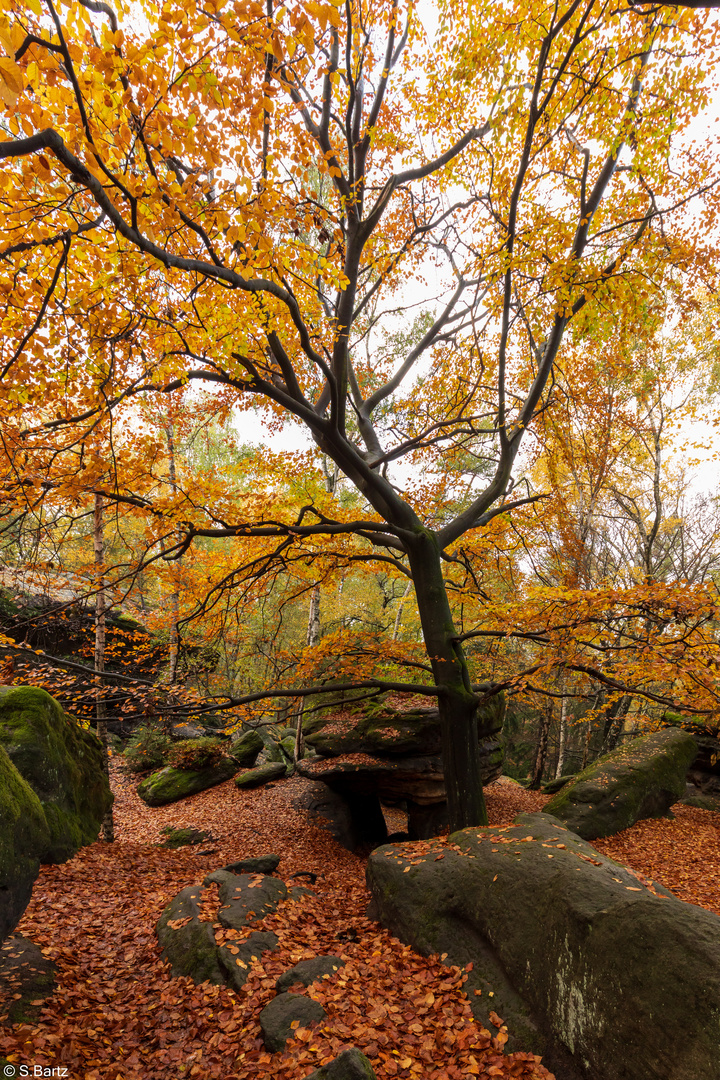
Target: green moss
[(62, 763), (263, 774), (169, 785), (641, 779), (246, 748), (24, 837), (175, 838)]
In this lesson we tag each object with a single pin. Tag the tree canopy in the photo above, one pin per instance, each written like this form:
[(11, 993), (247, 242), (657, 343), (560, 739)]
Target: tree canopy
[(402, 241)]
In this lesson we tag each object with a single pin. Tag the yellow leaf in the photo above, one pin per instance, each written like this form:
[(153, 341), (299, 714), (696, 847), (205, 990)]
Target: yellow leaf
[(11, 76)]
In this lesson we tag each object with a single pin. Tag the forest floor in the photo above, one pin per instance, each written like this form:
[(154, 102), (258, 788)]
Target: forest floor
[(116, 1013)]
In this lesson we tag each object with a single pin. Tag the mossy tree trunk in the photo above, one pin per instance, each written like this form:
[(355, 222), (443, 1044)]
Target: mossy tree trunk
[(457, 703), (108, 825)]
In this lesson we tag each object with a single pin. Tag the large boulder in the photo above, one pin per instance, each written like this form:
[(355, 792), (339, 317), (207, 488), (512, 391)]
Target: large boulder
[(582, 957), (245, 749), (168, 785), (393, 755), (63, 764), (641, 779), (24, 838)]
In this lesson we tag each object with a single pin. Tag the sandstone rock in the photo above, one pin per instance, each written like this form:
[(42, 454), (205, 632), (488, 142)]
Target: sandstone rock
[(244, 897), (581, 955), (235, 959), (277, 1018), (175, 838), (169, 785), (62, 763), (408, 733), (260, 775), (24, 838), (392, 756), (189, 946), (325, 807), (263, 864), (349, 1065), (245, 749), (308, 971), (641, 779)]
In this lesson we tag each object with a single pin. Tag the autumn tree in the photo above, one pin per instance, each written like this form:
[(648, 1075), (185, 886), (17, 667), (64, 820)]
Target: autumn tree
[(162, 229)]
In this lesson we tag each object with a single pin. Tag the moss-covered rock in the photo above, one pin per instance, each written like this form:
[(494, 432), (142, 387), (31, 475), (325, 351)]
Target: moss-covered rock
[(285, 1013), (391, 732), (176, 838), (62, 763), (24, 838), (262, 774), (187, 942), (169, 785), (245, 749), (351, 1064), (641, 779), (26, 979)]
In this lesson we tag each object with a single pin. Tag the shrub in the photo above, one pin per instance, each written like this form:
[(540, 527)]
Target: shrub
[(196, 754), (147, 749)]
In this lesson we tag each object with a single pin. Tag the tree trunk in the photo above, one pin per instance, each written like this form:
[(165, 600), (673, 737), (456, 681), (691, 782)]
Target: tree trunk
[(456, 701), (174, 598), (614, 722), (108, 825), (541, 747), (401, 607), (562, 738), (312, 638)]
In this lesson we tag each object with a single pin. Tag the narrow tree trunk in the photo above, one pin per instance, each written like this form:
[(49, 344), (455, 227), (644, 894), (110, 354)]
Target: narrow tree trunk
[(562, 738), (174, 598), (541, 747), (456, 701), (401, 607), (312, 638), (614, 723), (108, 825)]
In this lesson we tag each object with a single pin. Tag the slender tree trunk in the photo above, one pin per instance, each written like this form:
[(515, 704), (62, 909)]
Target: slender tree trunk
[(456, 701), (401, 607), (108, 825), (614, 722), (562, 738), (174, 598), (312, 638), (541, 747)]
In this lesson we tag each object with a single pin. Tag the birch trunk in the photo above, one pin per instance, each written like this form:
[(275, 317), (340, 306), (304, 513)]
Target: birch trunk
[(108, 825)]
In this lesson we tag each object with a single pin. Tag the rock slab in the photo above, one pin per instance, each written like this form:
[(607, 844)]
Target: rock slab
[(641, 779), (582, 956)]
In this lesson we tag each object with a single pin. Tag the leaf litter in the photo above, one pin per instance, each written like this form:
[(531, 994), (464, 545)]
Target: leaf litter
[(116, 1014)]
